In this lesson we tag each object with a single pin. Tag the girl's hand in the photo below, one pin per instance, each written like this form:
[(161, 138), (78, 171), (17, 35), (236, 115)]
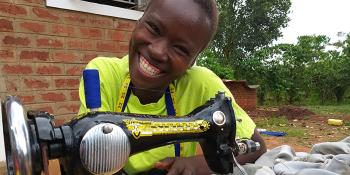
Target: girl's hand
[(184, 165)]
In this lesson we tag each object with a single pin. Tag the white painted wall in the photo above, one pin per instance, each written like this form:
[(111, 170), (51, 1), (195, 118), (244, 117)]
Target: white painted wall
[(100, 9)]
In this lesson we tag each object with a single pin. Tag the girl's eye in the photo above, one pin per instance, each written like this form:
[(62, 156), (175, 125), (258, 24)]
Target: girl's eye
[(153, 28), (182, 50)]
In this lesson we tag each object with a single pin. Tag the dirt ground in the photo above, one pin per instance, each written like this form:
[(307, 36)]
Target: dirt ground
[(315, 127)]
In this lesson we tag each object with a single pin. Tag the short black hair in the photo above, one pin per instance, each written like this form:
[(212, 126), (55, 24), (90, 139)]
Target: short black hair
[(210, 8)]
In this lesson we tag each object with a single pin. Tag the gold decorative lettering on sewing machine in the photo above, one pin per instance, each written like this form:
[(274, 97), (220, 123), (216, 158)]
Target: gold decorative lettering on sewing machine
[(142, 128)]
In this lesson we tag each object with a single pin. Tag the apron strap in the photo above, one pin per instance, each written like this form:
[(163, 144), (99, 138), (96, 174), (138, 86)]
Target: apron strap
[(171, 111), (169, 102)]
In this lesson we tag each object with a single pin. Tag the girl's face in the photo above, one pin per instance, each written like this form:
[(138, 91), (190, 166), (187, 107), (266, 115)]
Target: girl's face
[(166, 42)]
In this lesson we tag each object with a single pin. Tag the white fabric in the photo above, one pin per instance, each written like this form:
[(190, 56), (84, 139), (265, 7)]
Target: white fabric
[(328, 158)]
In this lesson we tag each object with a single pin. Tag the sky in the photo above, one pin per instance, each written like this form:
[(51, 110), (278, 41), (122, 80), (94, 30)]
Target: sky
[(319, 17)]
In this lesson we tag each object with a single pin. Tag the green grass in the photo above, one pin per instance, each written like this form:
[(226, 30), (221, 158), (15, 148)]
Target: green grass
[(294, 132), (347, 123), (273, 121), (280, 124), (331, 109)]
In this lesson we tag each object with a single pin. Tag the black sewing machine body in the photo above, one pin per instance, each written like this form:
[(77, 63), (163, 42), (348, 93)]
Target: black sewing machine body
[(101, 142)]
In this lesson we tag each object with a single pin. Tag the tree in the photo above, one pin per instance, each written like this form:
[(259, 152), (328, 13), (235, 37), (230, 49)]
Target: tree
[(264, 68), (208, 60), (330, 76), (283, 70), (342, 67), (245, 26), (328, 70), (342, 78), (346, 46), (321, 73)]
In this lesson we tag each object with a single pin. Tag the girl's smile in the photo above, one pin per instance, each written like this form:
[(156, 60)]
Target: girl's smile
[(164, 44), (148, 69)]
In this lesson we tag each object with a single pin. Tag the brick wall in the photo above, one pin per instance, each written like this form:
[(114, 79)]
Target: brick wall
[(43, 51), (244, 94)]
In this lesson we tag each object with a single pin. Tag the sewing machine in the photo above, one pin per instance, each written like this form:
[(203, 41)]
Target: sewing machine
[(102, 142)]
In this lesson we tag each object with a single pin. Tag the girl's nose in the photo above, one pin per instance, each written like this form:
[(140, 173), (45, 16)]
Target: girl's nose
[(158, 50)]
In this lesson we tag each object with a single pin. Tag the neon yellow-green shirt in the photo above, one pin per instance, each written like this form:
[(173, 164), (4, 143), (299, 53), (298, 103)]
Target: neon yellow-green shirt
[(193, 89)]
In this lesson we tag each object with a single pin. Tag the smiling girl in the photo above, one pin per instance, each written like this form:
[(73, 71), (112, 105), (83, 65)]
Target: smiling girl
[(159, 77)]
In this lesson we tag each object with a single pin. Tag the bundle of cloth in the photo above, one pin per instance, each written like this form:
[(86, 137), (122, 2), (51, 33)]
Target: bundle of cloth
[(327, 158)]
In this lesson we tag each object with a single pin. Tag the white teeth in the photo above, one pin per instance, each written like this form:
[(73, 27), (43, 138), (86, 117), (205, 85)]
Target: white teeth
[(147, 68)]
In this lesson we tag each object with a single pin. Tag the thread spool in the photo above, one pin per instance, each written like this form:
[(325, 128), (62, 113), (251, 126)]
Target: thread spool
[(92, 89), (335, 122)]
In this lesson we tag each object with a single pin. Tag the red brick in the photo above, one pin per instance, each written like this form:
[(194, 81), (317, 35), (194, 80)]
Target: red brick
[(9, 1), (60, 119), (49, 69), (47, 107), (125, 25), (67, 83), (75, 18), (29, 2), (49, 43), (27, 99), (65, 57), (36, 83), (53, 97), (128, 36), (80, 44), (117, 35), (7, 56), (74, 69), (123, 47), (100, 21), (45, 13), (17, 41), (107, 46), (17, 69), (12, 84), (88, 57), (62, 30), (34, 55), (91, 33), (245, 96), (74, 95), (120, 54), (6, 25), (3, 85), (67, 108), (35, 27), (12, 9)]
